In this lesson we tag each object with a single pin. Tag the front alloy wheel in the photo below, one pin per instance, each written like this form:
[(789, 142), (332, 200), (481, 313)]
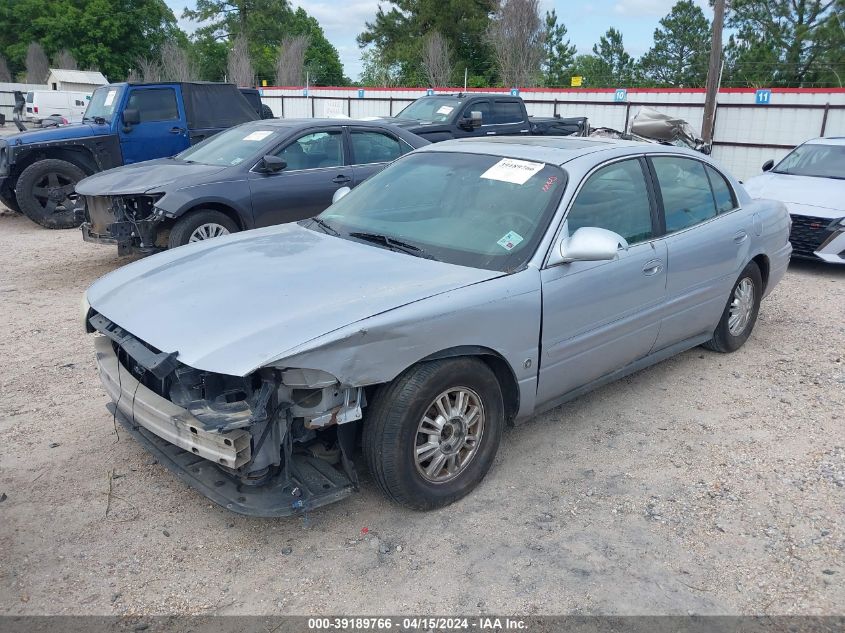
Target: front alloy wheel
[(431, 435), (449, 434), (207, 231)]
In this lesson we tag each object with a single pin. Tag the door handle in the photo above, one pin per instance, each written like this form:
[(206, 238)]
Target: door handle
[(652, 267), (740, 237), (176, 130), (341, 179), (491, 133)]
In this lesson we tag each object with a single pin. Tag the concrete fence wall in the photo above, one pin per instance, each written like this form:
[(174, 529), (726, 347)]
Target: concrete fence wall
[(746, 134)]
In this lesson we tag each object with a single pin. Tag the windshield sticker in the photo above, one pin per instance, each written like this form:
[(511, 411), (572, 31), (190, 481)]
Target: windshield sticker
[(258, 135), (445, 110), (511, 170), (109, 97), (510, 240)]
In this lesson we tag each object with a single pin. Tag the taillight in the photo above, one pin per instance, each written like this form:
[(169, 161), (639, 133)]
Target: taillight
[(35, 109)]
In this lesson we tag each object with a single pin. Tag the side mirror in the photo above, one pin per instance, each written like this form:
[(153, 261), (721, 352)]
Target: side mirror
[(768, 165), (340, 193), (589, 244), (272, 164), (473, 121), (131, 116)]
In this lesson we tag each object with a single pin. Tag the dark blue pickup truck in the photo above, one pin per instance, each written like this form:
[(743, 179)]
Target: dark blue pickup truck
[(123, 124)]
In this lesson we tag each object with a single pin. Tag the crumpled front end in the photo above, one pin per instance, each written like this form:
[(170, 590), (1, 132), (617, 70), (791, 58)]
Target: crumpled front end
[(273, 443), (130, 222)]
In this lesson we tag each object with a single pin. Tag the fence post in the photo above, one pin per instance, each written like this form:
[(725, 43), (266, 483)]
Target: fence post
[(283, 106), (824, 118), (391, 105), (312, 107)]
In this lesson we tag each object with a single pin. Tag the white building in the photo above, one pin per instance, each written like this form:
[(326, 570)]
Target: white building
[(75, 80)]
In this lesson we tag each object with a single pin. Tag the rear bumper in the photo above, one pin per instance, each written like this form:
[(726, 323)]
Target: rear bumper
[(179, 443)]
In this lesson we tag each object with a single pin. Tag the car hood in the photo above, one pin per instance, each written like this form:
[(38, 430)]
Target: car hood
[(61, 133), (233, 304), (827, 193), (150, 176)]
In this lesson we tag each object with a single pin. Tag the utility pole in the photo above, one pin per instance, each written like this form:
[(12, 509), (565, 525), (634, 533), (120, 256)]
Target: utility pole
[(714, 72)]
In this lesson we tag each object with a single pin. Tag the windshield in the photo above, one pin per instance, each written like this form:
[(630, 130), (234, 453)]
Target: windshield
[(102, 104), (431, 109), (823, 161), (467, 209), (231, 147)]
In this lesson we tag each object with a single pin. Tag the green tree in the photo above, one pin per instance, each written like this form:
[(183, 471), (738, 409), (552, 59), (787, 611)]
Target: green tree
[(681, 48), (609, 66), (786, 43), (397, 35), (560, 53), (105, 34), (265, 23)]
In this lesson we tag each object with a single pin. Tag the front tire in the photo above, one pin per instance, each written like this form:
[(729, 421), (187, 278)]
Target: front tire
[(431, 435), (45, 192), (740, 313), (200, 225)]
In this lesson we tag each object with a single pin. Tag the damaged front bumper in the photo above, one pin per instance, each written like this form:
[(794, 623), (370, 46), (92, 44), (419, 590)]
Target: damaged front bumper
[(216, 461), (129, 222)]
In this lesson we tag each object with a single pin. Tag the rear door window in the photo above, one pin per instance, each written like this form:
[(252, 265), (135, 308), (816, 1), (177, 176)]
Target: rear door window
[(374, 147), (685, 189), (722, 191)]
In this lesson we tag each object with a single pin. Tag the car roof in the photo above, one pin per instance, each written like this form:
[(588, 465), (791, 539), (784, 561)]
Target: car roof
[(827, 140), (297, 123), (555, 150)]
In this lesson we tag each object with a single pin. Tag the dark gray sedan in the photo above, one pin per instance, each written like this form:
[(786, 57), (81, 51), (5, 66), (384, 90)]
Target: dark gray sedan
[(257, 174)]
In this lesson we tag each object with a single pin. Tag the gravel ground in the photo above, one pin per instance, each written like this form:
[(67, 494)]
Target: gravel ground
[(707, 484)]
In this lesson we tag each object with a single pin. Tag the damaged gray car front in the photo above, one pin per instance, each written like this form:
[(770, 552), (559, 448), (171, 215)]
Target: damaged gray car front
[(470, 285)]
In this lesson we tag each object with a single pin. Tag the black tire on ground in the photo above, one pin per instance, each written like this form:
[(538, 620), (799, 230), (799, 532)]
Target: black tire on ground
[(45, 193), (393, 422), (11, 203), (266, 112), (184, 228), (725, 341)]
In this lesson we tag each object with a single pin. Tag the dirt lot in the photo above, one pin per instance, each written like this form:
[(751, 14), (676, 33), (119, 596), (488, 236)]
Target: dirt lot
[(707, 484)]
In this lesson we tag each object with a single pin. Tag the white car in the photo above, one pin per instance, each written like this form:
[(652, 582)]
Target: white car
[(43, 104), (810, 181)]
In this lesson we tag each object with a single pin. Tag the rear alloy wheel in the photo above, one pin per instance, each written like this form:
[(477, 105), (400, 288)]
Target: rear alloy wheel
[(740, 313), (201, 225), (431, 435), (46, 193)]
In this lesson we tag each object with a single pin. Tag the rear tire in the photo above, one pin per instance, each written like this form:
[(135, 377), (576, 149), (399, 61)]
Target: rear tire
[(266, 112), (200, 225), (740, 313), (421, 458), (45, 193)]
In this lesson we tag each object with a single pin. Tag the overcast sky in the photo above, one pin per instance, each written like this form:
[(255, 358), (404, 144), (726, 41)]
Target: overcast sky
[(342, 20)]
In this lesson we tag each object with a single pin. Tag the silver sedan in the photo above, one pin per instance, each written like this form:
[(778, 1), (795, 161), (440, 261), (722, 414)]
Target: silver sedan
[(470, 285)]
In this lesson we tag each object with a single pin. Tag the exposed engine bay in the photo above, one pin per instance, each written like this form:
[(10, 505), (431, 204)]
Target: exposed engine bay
[(268, 444), (126, 220)]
